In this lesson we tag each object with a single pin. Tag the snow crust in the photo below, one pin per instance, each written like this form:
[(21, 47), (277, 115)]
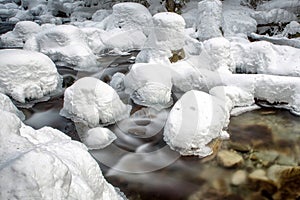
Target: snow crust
[(93, 102), (17, 79), (194, 121), (45, 163)]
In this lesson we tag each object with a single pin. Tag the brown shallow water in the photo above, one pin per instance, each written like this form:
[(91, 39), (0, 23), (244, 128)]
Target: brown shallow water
[(267, 140)]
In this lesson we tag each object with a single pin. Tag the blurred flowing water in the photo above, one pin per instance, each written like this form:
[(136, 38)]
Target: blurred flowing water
[(166, 175)]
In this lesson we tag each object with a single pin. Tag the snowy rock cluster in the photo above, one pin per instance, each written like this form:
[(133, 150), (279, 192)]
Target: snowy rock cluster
[(199, 66)]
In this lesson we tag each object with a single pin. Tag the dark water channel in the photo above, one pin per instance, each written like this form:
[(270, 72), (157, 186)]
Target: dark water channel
[(146, 169)]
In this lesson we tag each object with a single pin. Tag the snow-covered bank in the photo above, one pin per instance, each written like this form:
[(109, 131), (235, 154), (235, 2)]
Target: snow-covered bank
[(27, 75), (45, 163)]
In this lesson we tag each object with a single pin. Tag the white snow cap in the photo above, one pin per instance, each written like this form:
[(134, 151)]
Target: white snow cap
[(149, 85), (18, 36), (166, 35), (7, 105), (27, 74), (128, 16), (98, 138), (65, 44), (195, 120), (93, 102), (47, 164), (209, 19)]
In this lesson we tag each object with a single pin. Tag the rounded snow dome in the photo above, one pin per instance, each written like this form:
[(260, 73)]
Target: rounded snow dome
[(27, 74), (93, 102)]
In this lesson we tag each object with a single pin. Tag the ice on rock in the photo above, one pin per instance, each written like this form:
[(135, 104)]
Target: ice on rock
[(65, 44), (7, 105), (273, 16), (27, 75), (98, 138), (209, 12), (265, 58), (18, 36), (131, 16), (195, 120), (167, 35), (149, 85), (117, 82), (47, 164), (93, 102)]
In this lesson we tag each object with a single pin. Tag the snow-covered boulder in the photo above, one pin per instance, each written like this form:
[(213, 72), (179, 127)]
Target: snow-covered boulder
[(66, 45), (291, 29), (237, 20), (167, 35), (215, 55), (209, 19), (18, 36), (93, 102), (47, 164), (265, 58), (128, 16), (290, 5), (195, 120), (7, 105), (273, 16), (8, 10), (27, 75), (98, 138), (149, 85), (100, 15)]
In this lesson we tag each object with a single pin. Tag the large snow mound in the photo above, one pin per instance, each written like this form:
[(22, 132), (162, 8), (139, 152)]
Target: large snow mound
[(93, 102), (47, 164), (27, 74), (194, 121)]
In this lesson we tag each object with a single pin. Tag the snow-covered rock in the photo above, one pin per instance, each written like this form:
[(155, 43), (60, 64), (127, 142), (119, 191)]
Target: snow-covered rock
[(290, 5), (265, 58), (195, 120), (209, 19), (27, 74), (93, 102), (291, 29), (47, 164), (98, 138), (237, 19), (215, 55), (18, 36), (7, 105), (149, 85), (167, 35), (273, 16), (65, 44), (101, 14), (128, 16)]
